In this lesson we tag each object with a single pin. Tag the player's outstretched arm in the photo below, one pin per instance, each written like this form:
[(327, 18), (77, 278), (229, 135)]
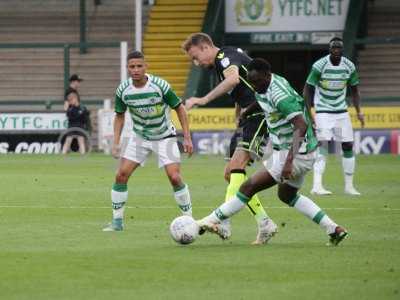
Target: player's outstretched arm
[(183, 120), (356, 99), (231, 80), (118, 125)]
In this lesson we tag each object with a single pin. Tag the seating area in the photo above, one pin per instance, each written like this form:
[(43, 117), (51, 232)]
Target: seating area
[(169, 23), (379, 65), (38, 73)]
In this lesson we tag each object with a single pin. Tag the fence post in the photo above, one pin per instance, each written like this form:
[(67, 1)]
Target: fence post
[(82, 35), (66, 66), (138, 25), (123, 62)]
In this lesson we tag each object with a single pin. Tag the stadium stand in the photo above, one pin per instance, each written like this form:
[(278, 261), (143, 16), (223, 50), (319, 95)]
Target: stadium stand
[(379, 64), (170, 22), (37, 73)]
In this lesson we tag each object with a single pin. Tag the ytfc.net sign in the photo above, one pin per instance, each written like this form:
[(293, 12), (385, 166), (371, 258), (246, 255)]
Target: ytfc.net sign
[(285, 15), (36, 133), (33, 121)]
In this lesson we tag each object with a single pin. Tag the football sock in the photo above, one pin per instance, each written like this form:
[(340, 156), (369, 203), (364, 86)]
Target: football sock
[(348, 163), (119, 195), (182, 197), (319, 167), (312, 211), (228, 209), (236, 180), (256, 208), (254, 205)]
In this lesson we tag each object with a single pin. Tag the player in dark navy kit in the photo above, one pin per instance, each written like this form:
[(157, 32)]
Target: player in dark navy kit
[(230, 64)]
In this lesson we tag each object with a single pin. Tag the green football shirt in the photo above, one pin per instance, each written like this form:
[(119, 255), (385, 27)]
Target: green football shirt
[(330, 84), (149, 106), (281, 103)]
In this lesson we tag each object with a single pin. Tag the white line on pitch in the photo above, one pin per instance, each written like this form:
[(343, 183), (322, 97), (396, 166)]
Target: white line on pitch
[(174, 207)]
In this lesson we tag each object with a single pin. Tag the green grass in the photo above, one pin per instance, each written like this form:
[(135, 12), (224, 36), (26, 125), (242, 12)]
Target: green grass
[(52, 210)]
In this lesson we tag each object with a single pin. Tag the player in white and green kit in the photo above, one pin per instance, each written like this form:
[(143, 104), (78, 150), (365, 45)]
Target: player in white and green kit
[(326, 88), (149, 100), (294, 153)]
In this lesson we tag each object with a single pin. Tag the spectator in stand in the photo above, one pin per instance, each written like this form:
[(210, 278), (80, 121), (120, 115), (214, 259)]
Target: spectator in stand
[(78, 123), (74, 84)]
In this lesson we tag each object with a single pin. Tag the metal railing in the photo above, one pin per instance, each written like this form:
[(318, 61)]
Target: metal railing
[(45, 104)]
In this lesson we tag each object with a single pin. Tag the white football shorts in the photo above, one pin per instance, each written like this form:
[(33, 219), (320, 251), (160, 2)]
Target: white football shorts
[(302, 163), (138, 149), (334, 126)]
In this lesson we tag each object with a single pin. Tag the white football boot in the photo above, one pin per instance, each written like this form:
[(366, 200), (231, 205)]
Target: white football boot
[(320, 190), (266, 230), (350, 190), (222, 230)]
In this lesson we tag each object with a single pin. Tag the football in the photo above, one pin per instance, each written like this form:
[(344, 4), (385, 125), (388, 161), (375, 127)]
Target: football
[(184, 230)]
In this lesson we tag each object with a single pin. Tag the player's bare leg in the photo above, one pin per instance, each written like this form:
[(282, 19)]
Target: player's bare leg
[(181, 190), (349, 163), (119, 193), (235, 172), (289, 195)]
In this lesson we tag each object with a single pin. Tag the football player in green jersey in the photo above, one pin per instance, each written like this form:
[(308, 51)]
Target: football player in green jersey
[(294, 153), (149, 100), (325, 89)]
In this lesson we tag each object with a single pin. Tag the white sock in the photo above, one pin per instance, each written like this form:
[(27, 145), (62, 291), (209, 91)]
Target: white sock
[(349, 165), (312, 211), (327, 224), (224, 211), (319, 169), (229, 208), (182, 198), (118, 203)]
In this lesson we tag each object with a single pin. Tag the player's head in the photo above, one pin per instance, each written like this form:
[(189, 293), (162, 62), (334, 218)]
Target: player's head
[(136, 65), (259, 74), (200, 48), (336, 47)]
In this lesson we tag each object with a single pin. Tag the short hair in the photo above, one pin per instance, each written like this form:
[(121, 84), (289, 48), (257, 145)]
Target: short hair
[(336, 42), (336, 38), (259, 65), (135, 54), (196, 39)]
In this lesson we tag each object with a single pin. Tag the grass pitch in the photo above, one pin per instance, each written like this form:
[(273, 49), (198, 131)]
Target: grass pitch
[(52, 210)]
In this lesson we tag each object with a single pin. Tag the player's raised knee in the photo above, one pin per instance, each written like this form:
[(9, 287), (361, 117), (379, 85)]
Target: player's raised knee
[(175, 179), (122, 176)]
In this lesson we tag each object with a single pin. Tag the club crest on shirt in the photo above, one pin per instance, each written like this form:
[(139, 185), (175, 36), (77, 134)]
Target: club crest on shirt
[(225, 62)]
